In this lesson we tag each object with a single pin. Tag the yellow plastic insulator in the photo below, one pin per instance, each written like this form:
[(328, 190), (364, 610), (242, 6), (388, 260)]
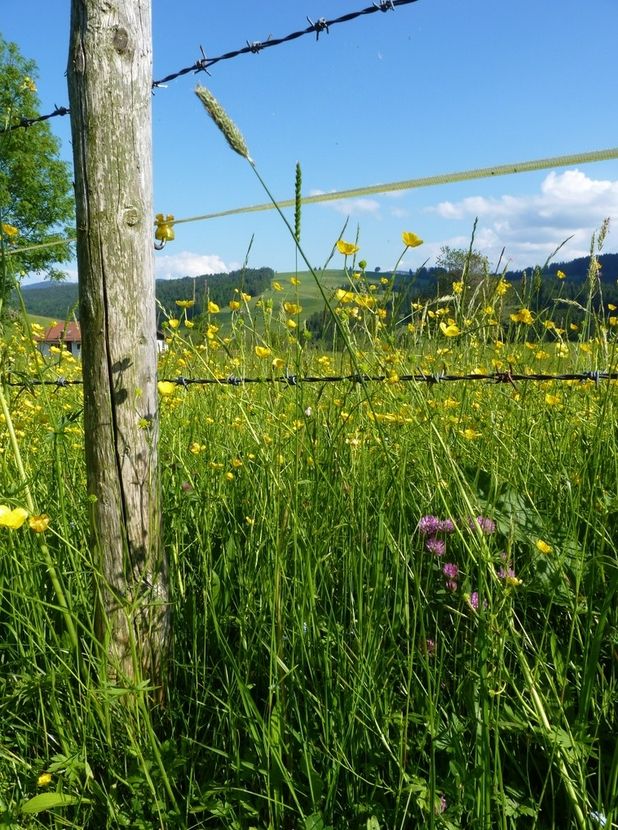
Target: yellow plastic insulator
[(164, 231)]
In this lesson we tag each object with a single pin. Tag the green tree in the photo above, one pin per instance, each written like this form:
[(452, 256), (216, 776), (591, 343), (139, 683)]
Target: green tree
[(459, 261), (36, 194)]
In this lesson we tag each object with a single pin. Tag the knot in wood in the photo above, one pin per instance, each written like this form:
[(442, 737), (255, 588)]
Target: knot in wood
[(121, 40), (131, 215)]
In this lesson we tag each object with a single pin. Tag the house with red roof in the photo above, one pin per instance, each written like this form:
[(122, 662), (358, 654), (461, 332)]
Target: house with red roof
[(69, 336), (62, 335)]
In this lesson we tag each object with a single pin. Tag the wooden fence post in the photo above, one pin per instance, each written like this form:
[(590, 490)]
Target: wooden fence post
[(110, 75)]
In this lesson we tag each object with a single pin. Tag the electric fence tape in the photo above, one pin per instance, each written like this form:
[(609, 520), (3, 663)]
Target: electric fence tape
[(608, 154)]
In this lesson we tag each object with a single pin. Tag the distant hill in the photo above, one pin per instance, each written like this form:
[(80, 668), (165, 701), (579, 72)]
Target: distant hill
[(60, 300)]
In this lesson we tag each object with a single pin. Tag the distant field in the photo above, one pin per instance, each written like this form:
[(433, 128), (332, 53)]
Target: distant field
[(309, 296), (46, 322)]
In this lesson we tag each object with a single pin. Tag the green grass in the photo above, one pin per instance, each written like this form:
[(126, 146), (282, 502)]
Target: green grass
[(323, 674)]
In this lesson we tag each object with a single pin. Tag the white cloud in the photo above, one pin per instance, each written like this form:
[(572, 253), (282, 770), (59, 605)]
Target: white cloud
[(350, 207), (530, 228), (188, 264)]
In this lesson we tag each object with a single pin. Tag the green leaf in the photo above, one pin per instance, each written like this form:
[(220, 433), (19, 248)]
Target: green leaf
[(49, 801)]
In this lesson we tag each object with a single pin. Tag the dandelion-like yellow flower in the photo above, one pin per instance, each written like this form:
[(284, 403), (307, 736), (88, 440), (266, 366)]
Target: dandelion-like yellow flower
[(561, 275), (262, 351), (411, 240), (234, 305), (292, 308), (12, 518), (346, 248), (185, 303), (173, 323), (502, 287), (245, 297), (278, 363), (39, 524), (44, 779), (213, 308), (458, 287), (543, 547)]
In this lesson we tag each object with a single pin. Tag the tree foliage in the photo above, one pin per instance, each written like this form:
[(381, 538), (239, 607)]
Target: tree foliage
[(36, 195)]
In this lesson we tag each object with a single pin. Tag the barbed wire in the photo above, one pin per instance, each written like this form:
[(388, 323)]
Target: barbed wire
[(288, 379), (28, 122), (202, 64)]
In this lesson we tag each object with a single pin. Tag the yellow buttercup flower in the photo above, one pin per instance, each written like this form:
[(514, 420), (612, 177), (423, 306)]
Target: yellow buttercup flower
[(185, 303), (262, 351), (12, 518), (450, 330), (543, 547), (561, 275), (276, 286), (278, 363), (524, 315), (213, 308), (166, 387), (346, 248), (292, 308), (234, 305), (9, 231), (294, 280), (344, 296), (411, 240), (173, 323), (39, 523), (44, 779)]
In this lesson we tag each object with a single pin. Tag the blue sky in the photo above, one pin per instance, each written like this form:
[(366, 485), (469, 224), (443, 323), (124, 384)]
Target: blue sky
[(431, 87)]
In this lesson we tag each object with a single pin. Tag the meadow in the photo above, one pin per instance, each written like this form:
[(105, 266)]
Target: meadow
[(393, 601)]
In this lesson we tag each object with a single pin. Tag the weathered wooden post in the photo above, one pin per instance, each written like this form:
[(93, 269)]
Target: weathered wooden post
[(110, 75)]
